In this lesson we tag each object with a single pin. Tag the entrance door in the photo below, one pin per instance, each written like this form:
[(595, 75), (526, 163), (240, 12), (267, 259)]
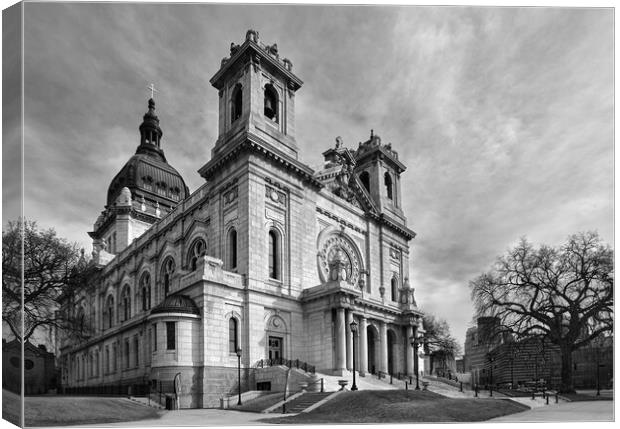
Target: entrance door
[(371, 352), (275, 348), (391, 340)]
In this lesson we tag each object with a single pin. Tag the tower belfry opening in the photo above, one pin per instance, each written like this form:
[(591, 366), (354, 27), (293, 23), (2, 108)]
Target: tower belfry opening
[(271, 103)]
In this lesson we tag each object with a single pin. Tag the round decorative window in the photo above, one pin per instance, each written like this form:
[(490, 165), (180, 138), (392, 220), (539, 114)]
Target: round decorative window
[(338, 246), (28, 364)]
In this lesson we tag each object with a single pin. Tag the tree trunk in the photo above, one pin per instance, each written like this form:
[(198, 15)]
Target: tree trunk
[(566, 383)]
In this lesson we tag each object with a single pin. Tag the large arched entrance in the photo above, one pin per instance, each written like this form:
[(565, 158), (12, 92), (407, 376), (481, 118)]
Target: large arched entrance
[(372, 341), (391, 343)]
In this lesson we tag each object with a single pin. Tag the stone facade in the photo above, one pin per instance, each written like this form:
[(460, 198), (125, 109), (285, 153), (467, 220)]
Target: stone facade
[(269, 255)]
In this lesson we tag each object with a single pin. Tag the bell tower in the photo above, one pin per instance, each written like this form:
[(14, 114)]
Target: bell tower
[(378, 169), (256, 96)]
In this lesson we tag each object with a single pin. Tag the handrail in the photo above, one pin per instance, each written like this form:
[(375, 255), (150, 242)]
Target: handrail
[(321, 380), (291, 363)]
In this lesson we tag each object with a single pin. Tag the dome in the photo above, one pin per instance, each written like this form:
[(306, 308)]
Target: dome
[(147, 173), (177, 304)]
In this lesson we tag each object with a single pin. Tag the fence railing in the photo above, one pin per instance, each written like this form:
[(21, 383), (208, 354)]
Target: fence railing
[(291, 363)]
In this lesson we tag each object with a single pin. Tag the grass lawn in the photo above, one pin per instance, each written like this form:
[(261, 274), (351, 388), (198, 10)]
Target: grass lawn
[(259, 404), (399, 406), (73, 410)]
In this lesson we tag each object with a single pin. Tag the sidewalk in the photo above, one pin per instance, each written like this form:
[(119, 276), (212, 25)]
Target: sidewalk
[(195, 417), (586, 411)]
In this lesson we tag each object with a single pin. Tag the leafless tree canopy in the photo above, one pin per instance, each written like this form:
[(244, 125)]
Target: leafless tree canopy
[(50, 266), (439, 343), (564, 294)]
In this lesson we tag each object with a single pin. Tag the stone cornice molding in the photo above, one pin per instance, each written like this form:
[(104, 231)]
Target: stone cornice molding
[(249, 142), (251, 52), (338, 219)]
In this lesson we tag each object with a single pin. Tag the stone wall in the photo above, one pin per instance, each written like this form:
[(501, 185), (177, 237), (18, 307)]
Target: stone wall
[(276, 375)]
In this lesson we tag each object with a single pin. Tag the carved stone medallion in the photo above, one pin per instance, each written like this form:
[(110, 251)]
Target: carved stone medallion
[(337, 246)]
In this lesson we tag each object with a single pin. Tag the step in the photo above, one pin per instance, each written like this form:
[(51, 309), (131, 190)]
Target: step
[(302, 402)]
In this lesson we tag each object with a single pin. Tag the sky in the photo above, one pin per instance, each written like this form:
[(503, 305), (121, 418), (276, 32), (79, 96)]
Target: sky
[(503, 116)]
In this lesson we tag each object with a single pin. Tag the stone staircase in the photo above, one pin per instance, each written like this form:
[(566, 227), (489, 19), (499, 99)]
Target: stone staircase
[(302, 402)]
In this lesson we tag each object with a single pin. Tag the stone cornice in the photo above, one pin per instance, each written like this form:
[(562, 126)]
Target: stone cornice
[(248, 142), (382, 154), (401, 229), (249, 50), (339, 220)]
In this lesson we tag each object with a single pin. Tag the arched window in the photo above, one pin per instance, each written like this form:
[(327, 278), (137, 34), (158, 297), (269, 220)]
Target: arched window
[(274, 255), (394, 289), (232, 248), (109, 311), (271, 102), (365, 179), (166, 274), (197, 250), (233, 331), (388, 184), (145, 288), (126, 303), (236, 103)]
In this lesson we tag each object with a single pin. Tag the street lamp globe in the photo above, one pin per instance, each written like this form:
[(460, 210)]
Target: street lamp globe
[(353, 326), (239, 352)]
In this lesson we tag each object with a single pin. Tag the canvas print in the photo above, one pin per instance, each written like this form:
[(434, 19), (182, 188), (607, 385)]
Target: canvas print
[(225, 214)]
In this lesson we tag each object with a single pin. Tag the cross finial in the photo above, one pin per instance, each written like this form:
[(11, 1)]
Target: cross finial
[(153, 90)]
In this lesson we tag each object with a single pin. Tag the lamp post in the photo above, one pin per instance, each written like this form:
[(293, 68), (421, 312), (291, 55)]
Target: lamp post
[(353, 326), (491, 374), (239, 372), (598, 374), (512, 371), (415, 343)]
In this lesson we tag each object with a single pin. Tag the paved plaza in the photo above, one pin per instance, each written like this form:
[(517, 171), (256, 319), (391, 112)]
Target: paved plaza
[(195, 417)]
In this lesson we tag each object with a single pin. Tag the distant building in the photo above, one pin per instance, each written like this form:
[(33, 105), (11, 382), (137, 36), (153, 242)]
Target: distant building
[(39, 368), (460, 367), (479, 341), (495, 358)]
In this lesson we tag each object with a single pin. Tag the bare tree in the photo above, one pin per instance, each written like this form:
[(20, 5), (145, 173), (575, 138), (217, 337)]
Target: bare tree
[(37, 267), (439, 344), (564, 294)]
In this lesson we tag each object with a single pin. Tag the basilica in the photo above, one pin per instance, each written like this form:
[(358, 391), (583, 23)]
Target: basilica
[(267, 260)]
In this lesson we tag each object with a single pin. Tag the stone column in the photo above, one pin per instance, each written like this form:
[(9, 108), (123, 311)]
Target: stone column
[(383, 355), (347, 329), (340, 342), (409, 350), (363, 346)]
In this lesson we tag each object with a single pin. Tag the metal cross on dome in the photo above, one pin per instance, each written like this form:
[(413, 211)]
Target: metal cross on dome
[(153, 90)]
